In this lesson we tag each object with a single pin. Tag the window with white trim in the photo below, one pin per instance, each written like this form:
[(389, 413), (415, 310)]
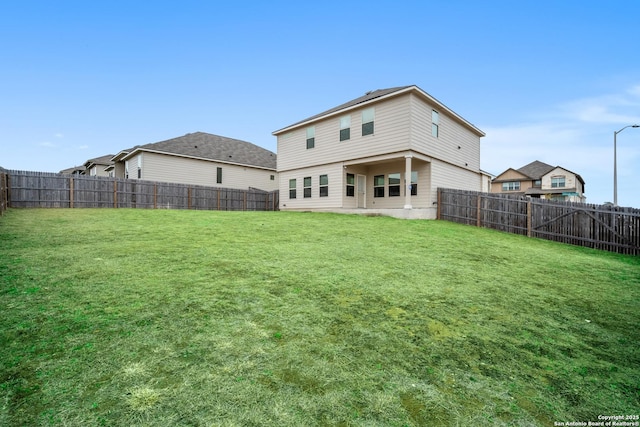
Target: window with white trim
[(558, 181), (414, 183), (435, 123), (378, 186), (292, 188), (345, 128), (351, 185), (324, 185), (368, 117), (394, 184), (306, 191), (311, 137), (511, 186)]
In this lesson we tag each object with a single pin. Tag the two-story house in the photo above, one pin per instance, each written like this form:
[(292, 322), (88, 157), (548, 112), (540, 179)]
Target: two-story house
[(98, 166), (540, 180), (200, 159), (385, 152)]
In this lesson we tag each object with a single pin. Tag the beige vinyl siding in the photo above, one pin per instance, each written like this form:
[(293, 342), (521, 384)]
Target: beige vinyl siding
[(182, 170), (511, 175), (391, 134), (449, 176), (451, 135), (334, 173)]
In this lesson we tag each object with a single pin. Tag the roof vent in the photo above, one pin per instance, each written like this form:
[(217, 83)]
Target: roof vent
[(369, 93), (195, 146)]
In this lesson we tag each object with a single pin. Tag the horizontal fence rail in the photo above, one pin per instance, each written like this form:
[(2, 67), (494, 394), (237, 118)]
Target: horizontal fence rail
[(609, 228), (51, 190)]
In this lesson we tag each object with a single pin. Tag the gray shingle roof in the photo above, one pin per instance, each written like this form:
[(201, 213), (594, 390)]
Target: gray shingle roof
[(214, 147), (102, 160), (536, 169)]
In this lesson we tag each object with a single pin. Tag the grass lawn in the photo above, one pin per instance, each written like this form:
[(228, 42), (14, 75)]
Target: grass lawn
[(161, 318)]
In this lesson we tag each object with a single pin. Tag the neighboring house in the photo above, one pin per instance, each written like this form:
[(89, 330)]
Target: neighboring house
[(98, 166), (200, 159), (385, 152), (540, 180), (76, 170)]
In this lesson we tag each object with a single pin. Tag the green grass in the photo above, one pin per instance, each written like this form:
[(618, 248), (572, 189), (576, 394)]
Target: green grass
[(158, 318)]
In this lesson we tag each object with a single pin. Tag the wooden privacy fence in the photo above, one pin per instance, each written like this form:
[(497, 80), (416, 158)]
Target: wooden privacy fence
[(50, 190), (608, 228), (4, 191)]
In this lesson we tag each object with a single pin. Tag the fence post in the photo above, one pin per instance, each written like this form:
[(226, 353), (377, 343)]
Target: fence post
[(188, 197), (8, 180), (218, 199), (479, 201), (244, 202), (529, 213), (71, 192), (439, 204), (155, 196), (115, 194)]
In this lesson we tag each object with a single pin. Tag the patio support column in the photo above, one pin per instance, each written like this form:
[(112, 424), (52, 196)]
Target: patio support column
[(407, 181)]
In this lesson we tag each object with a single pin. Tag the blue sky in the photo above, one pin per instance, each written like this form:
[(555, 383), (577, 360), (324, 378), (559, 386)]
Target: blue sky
[(545, 80)]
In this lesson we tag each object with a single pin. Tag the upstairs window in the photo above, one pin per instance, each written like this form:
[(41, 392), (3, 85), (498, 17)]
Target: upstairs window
[(311, 137), (378, 186), (219, 176), (394, 184), (324, 185), (345, 128), (351, 185), (537, 183), (435, 123), (292, 188), (558, 182), (307, 187), (511, 186), (368, 117)]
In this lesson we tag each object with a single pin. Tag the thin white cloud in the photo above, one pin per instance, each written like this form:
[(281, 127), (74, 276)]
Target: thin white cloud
[(59, 135), (83, 147), (47, 144), (621, 108)]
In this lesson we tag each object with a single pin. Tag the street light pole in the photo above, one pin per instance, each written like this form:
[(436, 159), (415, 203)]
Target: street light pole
[(615, 164)]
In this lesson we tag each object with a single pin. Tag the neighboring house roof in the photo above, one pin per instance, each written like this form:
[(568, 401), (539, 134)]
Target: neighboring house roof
[(102, 160), (206, 146), (73, 170), (536, 169), (377, 95)]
